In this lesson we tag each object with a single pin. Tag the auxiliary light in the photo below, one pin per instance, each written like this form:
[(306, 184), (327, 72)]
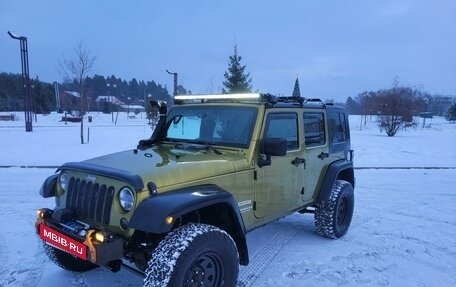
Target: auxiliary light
[(218, 97)]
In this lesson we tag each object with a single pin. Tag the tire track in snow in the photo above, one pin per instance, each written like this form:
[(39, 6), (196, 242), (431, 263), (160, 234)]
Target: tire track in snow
[(16, 274), (385, 251), (259, 261), (414, 216), (3, 260)]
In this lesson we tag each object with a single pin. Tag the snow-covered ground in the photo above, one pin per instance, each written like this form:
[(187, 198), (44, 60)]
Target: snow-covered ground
[(403, 232)]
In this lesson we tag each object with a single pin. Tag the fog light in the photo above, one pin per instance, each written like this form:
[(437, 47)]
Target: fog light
[(124, 223), (99, 236), (169, 220), (44, 213)]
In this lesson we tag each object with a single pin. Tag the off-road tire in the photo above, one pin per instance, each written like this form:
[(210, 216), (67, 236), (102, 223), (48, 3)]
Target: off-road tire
[(194, 255), (333, 216), (67, 261)]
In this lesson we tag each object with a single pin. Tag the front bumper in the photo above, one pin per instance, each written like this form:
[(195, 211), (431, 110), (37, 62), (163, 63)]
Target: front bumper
[(87, 244)]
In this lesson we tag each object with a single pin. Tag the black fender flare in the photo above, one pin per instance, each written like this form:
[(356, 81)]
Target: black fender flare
[(150, 215), (49, 185), (342, 169)]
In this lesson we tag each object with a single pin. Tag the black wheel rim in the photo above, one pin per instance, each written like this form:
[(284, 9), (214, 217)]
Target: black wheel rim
[(342, 208), (205, 271)]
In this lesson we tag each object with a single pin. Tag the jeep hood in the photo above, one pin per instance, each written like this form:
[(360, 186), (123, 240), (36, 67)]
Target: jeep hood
[(167, 165)]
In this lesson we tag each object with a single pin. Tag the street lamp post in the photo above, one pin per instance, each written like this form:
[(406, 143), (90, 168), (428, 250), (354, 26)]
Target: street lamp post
[(33, 99), (111, 105), (426, 102), (25, 80), (175, 81), (128, 106), (149, 98)]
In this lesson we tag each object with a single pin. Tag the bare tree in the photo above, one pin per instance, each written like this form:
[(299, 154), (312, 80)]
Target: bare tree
[(365, 100), (395, 107), (78, 69)]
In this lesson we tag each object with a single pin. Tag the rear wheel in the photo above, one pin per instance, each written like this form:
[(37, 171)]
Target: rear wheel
[(333, 216), (194, 255), (66, 260)]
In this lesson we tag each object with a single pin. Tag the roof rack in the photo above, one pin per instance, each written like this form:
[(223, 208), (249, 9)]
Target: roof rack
[(271, 101), (315, 101), (204, 98), (267, 99)]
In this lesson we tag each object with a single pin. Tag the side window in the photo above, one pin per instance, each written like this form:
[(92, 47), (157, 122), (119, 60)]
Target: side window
[(314, 129), (338, 127), (283, 126)]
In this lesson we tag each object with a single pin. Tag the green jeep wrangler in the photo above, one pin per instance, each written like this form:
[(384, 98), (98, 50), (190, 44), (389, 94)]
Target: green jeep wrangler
[(216, 166)]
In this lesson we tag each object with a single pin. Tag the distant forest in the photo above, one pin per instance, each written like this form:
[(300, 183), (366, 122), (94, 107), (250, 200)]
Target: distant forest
[(135, 92), (43, 94)]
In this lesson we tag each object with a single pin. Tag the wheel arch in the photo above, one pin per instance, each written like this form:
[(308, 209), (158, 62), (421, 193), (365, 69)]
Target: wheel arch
[(223, 215), (339, 170), (210, 203)]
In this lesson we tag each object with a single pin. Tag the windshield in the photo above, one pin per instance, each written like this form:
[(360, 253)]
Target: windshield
[(218, 125)]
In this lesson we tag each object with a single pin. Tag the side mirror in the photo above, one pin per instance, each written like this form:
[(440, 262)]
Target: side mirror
[(271, 147), (274, 147)]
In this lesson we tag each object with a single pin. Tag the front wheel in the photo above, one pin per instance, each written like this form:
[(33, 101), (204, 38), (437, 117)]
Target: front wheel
[(194, 255), (333, 216), (66, 260)]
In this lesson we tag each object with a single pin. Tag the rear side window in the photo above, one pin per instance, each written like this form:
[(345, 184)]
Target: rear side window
[(338, 127), (339, 132), (283, 126), (314, 129)]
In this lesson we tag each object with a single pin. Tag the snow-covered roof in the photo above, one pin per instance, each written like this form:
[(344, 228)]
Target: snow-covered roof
[(132, 107), (111, 99), (71, 93)]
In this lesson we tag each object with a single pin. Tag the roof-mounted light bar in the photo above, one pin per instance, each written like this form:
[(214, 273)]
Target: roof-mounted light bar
[(252, 96)]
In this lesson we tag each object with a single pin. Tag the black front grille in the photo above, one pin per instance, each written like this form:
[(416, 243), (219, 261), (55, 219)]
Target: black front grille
[(90, 200)]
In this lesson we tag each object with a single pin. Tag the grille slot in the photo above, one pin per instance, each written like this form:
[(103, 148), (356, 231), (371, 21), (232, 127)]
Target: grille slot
[(90, 201)]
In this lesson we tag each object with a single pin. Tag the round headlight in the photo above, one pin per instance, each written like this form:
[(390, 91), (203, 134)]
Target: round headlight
[(63, 180), (126, 198)]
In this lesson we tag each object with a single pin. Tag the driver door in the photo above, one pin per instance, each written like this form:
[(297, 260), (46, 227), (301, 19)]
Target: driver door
[(277, 188)]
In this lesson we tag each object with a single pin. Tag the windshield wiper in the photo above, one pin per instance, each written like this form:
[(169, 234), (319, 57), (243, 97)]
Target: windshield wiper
[(147, 143), (175, 142), (144, 144), (208, 146)]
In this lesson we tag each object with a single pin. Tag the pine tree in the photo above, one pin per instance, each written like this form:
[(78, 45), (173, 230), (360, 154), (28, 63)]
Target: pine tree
[(236, 79), (296, 91)]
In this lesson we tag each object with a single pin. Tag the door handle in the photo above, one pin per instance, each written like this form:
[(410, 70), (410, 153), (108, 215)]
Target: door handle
[(299, 160), (323, 155)]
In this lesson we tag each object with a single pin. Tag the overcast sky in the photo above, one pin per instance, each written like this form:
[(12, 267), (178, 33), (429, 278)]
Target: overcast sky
[(336, 48)]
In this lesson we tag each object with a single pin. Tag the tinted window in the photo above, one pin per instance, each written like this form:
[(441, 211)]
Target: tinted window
[(314, 129), (338, 127), (283, 126)]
